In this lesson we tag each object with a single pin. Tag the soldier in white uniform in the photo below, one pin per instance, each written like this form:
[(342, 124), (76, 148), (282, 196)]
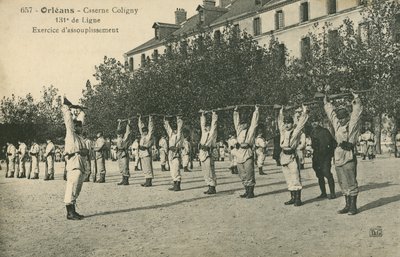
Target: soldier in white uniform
[(245, 156), (174, 143), (34, 153), (185, 154), (367, 143), (76, 154), (135, 153), (260, 147), (145, 150), (123, 141), (22, 159), (207, 143), (347, 128), (11, 157), (221, 149), (398, 144), (289, 140), (163, 145), (232, 145), (88, 167), (49, 159), (100, 148)]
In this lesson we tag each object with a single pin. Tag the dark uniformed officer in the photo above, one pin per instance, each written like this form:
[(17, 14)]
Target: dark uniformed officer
[(323, 145)]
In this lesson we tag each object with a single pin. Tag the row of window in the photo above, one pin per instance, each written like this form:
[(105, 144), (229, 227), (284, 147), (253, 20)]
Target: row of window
[(280, 20)]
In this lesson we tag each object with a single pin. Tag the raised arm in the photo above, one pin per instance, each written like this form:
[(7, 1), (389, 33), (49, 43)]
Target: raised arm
[(167, 127), (302, 121), (214, 120), (151, 126), (280, 120), (127, 131), (355, 116), (179, 126), (329, 110), (202, 121), (254, 119), (68, 120), (140, 125), (236, 120)]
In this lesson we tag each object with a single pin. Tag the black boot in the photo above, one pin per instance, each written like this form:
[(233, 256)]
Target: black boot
[(246, 188), (147, 183), (102, 178), (331, 184), (178, 186), (186, 169), (261, 172), (173, 187), (250, 192), (211, 190), (87, 178), (35, 176), (297, 198), (124, 181), (163, 168), (347, 207), (364, 156), (232, 170), (278, 163), (51, 176), (353, 205), (321, 182), (11, 175), (291, 201), (80, 216), (235, 168), (22, 175), (46, 177), (71, 214)]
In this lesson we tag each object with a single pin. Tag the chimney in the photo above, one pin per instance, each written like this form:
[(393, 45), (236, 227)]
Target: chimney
[(224, 3), (209, 3), (180, 16)]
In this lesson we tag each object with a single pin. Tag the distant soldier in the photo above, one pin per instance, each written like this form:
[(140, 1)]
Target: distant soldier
[(163, 145), (207, 143), (367, 143), (398, 144), (347, 127), (11, 157), (323, 145), (22, 159), (88, 167), (290, 137), (185, 153), (260, 147), (76, 154), (100, 149), (34, 153), (174, 143), (49, 159), (135, 152), (276, 155), (123, 141), (113, 152), (233, 146), (58, 154), (145, 146), (245, 156), (221, 149)]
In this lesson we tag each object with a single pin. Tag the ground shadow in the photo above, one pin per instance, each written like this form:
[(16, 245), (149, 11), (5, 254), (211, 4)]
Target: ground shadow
[(380, 202), (372, 186)]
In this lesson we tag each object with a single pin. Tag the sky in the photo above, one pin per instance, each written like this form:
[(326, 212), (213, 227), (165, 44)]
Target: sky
[(29, 61)]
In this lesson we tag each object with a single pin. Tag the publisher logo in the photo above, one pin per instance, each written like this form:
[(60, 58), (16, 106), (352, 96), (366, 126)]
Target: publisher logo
[(376, 232)]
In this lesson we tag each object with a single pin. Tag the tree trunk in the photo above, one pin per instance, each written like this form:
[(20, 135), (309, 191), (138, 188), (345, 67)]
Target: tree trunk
[(377, 132), (394, 133)]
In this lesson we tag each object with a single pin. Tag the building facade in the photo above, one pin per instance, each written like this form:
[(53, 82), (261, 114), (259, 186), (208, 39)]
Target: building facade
[(289, 21)]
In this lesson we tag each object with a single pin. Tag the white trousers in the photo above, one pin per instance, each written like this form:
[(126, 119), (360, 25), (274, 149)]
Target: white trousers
[(75, 180)]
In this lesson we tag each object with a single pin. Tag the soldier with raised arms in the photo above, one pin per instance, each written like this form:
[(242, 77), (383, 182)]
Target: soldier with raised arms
[(245, 156), (207, 143), (145, 145), (174, 142), (123, 141)]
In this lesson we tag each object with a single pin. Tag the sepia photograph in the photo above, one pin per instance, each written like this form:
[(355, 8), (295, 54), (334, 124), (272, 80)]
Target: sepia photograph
[(200, 128)]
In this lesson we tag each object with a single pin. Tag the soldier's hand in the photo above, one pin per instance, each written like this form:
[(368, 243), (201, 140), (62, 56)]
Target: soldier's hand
[(305, 108), (354, 94), (256, 107), (236, 108), (326, 99)]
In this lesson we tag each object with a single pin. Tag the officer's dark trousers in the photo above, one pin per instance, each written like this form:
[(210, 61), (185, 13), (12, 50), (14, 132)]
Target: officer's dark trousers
[(322, 168)]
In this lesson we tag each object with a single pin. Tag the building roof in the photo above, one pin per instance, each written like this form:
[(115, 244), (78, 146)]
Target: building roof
[(149, 44), (238, 8), (189, 26), (166, 25)]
